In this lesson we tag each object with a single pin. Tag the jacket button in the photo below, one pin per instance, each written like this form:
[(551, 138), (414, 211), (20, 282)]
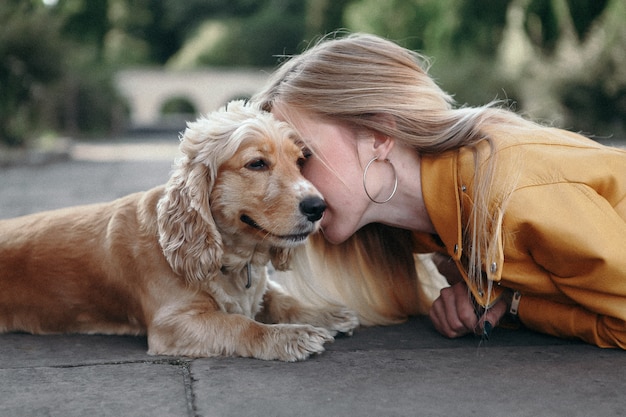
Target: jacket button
[(456, 248), (494, 267), (463, 188)]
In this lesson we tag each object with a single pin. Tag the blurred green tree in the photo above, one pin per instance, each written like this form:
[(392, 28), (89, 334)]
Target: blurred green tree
[(84, 22), (53, 76), (539, 54), (274, 27), (554, 50), (324, 16), (30, 51), (560, 60)]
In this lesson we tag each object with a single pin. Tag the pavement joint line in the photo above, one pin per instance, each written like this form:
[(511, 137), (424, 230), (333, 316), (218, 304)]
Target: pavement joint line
[(190, 397), (181, 363)]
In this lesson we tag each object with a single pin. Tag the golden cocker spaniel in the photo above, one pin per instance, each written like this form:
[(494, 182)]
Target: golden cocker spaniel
[(185, 263)]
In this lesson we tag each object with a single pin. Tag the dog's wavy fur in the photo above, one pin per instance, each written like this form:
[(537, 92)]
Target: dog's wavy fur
[(174, 262), (355, 274)]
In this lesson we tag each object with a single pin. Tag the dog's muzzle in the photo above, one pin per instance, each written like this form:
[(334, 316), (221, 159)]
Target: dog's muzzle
[(312, 208)]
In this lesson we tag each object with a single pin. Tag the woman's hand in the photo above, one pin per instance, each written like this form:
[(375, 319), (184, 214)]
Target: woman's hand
[(452, 313)]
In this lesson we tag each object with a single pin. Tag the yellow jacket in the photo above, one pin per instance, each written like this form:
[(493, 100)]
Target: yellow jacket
[(563, 240)]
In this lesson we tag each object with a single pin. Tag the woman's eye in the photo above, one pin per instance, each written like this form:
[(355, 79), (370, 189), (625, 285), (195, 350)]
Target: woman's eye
[(257, 165)]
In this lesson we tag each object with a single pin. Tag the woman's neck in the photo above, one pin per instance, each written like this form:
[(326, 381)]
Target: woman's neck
[(406, 209)]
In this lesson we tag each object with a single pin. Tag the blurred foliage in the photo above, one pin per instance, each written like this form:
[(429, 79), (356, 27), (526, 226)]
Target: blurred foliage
[(178, 105), (562, 61), (246, 40), (50, 81), (27, 67)]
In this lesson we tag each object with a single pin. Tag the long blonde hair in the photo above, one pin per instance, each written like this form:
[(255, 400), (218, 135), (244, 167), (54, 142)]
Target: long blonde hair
[(354, 80)]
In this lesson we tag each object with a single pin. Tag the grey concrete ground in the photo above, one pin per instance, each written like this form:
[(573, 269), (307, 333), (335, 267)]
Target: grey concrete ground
[(403, 370)]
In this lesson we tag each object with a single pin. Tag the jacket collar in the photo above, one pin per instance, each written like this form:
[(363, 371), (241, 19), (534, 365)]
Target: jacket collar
[(441, 190)]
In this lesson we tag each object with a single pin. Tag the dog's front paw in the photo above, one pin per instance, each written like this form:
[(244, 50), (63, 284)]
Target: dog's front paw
[(337, 319), (295, 342)]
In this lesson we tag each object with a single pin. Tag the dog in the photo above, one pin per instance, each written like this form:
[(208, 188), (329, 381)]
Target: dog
[(185, 263)]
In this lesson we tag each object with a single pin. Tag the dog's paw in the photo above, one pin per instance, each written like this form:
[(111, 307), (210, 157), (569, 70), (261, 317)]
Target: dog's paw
[(337, 320), (295, 342)]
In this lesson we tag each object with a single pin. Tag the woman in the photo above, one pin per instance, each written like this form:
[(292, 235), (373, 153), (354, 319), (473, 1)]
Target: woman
[(533, 218)]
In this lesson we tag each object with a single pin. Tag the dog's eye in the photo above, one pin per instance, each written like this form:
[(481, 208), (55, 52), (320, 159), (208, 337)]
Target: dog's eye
[(257, 165)]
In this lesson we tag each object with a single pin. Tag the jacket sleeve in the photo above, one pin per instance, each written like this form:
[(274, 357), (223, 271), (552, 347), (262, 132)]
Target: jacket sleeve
[(570, 321), (577, 238)]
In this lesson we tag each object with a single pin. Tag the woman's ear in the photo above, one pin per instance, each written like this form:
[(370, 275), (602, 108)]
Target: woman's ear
[(383, 145), (376, 144), (379, 143)]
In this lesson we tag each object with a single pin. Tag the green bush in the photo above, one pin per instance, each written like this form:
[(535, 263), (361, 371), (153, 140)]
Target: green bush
[(30, 47)]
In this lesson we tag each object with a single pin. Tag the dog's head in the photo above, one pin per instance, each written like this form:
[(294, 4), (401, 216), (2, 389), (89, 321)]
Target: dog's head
[(238, 181)]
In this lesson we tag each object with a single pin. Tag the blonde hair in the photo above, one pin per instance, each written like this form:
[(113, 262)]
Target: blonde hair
[(354, 80)]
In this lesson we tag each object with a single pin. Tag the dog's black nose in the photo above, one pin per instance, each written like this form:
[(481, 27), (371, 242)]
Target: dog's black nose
[(312, 208)]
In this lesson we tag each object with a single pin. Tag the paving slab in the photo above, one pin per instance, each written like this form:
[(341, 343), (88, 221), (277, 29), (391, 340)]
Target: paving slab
[(409, 370), (21, 350), (30, 189), (433, 382), (126, 389)]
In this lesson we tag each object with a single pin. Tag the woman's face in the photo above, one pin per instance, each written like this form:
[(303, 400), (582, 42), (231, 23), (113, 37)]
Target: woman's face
[(335, 169)]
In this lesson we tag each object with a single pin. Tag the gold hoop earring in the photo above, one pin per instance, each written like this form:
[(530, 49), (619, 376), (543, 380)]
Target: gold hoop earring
[(395, 181)]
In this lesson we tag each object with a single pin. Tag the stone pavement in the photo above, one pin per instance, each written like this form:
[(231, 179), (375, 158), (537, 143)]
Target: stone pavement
[(403, 370)]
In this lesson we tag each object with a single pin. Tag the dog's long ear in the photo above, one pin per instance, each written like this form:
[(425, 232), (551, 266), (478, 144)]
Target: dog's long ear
[(188, 235), (281, 258)]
